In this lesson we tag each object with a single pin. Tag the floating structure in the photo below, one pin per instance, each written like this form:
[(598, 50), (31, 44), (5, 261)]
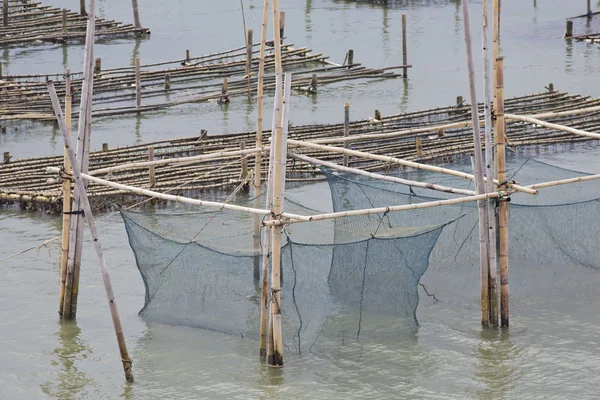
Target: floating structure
[(215, 77), (28, 22), (435, 135)]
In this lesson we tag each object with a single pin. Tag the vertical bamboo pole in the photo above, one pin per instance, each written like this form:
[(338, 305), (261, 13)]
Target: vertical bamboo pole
[(243, 163), (404, 50), (138, 85), (83, 148), (502, 202), (489, 171), (66, 190), (569, 29), (5, 12), (276, 356), (151, 171), (125, 359), (167, 81), (346, 130), (282, 25), (350, 58), (478, 172), (136, 14), (419, 147), (589, 8), (98, 66), (82, 7), (257, 180), (249, 59)]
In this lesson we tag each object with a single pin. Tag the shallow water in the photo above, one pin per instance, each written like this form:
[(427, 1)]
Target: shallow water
[(547, 353)]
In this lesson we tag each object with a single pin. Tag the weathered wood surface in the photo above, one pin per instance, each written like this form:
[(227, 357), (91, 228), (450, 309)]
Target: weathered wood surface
[(34, 23), (26, 183)]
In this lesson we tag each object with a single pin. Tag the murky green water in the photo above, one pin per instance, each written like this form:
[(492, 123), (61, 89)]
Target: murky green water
[(553, 353)]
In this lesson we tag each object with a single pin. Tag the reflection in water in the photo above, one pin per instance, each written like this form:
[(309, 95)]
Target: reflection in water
[(138, 128), (494, 354), (70, 382), (136, 49), (385, 32), (403, 106), (308, 20), (65, 56), (569, 55), (55, 134), (270, 379)]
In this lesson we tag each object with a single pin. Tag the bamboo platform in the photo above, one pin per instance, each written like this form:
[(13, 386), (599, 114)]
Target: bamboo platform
[(35, 23), (27, 184), (172, 83)]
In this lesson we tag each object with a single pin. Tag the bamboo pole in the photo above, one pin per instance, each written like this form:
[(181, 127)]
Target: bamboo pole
[(478, 172), (249, 60), (125, 359), (288, 218), (258, 157), (66, 191), (387, 178), (404, 51), (64, 21), (564, 181), (502, 203), (266, 346), (138, 85), (552, 126), (136, 14), (275, 357), (83, 148), (82, 8), (489, 168), (151, 171), (177, 160), (346, 130), (5, 12), (243, 163), (399, 161)]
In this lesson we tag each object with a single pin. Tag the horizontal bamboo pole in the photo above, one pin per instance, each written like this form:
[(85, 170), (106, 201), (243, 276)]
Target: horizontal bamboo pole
[(291, 218), (394, 179), (169, 197), (564, 181), (399, 161), (179, 160), (552, 126)]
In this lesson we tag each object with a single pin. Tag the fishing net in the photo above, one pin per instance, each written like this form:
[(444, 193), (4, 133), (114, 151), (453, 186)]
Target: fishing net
[(361, 278)]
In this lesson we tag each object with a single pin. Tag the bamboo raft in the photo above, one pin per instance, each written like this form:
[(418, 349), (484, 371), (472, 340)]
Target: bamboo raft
[(215, 77), (26, 182), (28, 22)]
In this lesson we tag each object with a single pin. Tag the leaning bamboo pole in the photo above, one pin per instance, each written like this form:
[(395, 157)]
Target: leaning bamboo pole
[(275, 358), (394, 160), (387, 178), (489, 171), (83, 148), (558, 127), (564, 181), (66, 191), (478, 172), (502, 202), (125, 359)]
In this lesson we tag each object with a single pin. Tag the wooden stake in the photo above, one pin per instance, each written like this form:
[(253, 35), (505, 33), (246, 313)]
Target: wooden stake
[(125, 359), (151, 172), (404, 46), (589, 8), (224, 96), (187, 55), (500, 129), (66, 190), (346, 130), (249, 59), (569, 29), (136, 14), (478, 172), (419, 147), (6, 157), (5, 12), (104, 146), (257, 181), (282, 25), (350, 58), (82, 8), (489, 171), (167, 81), (276, 356), (83, 149), (138, 85), (64, 21), (98, 66)]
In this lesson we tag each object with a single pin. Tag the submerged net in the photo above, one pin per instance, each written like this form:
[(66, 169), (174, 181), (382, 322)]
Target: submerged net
[(360, 278)]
